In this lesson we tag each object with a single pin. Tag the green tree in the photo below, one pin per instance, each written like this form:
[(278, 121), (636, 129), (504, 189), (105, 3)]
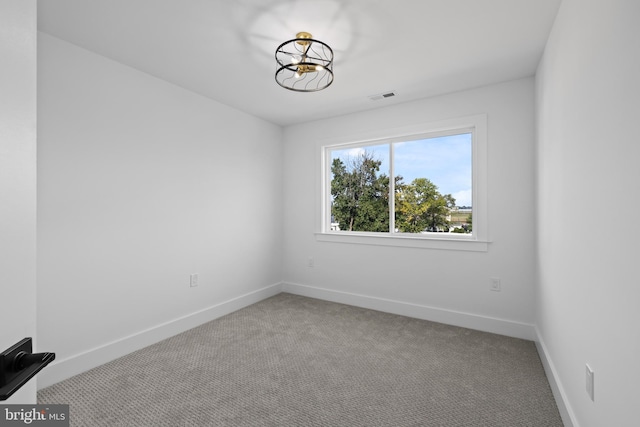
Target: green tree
[(360, 197), (421, 207)]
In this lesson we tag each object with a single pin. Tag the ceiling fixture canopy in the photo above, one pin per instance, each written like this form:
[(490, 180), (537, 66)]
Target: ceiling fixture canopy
[(304, 64)]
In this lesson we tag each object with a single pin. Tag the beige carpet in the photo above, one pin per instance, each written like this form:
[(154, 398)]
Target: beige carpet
[(295, 361)]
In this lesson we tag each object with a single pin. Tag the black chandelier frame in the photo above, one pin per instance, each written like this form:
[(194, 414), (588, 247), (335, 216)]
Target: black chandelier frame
[(304, 64)]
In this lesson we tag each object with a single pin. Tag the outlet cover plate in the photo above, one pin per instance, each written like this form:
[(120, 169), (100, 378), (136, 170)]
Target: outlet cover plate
[(589, 382)]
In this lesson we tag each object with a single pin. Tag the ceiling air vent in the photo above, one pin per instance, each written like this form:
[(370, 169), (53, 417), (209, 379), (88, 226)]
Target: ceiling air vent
[(382, 96)]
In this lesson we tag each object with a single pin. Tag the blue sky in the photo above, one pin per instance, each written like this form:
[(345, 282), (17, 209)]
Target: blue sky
[(446, 161)]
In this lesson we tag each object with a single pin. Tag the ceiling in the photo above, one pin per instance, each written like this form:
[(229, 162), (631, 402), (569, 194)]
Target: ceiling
[(224, 49)]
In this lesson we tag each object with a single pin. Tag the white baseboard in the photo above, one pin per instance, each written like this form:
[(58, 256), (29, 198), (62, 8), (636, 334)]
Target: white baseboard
[(62, 369), (449, 317), (566, 413)]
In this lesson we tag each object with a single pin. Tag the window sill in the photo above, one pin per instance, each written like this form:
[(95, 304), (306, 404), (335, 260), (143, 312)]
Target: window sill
[(461, 243)]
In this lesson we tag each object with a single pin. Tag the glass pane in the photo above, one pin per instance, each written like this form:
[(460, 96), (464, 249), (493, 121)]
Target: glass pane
[(360, 189), (433, 185)]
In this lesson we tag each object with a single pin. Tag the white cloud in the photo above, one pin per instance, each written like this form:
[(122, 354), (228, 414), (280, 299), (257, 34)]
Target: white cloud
[(355, 152), (463, 197)]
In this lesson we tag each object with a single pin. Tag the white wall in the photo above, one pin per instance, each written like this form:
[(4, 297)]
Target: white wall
[(588, 89), (140, 184), (18, 179), (444, 285)]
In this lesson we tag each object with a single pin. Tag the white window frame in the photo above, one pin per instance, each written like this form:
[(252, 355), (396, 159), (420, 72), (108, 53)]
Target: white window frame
[(477, 241)]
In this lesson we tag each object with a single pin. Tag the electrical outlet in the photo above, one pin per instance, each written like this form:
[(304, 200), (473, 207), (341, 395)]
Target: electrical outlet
[(589, 381), (193, 280), (495, 284), (310, 262)]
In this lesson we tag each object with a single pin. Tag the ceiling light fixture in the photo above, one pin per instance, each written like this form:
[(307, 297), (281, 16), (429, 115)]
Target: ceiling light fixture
[(304, 64)]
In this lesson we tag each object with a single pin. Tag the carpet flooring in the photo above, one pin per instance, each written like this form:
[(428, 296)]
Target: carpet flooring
[(296, 361)]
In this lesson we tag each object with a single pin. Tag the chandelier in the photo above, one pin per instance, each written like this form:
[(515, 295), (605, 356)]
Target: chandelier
[(304, 64)]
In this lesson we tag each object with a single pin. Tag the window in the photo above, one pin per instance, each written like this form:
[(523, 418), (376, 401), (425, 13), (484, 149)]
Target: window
[(425, 183)]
